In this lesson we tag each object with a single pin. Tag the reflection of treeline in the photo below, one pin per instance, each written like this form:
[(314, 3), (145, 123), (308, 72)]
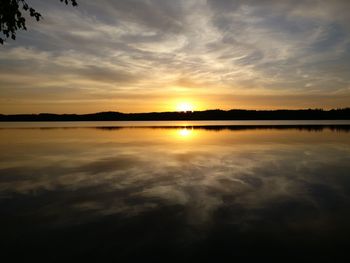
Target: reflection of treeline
[(313, 128), (310, 128), (301, 127), (309, 114)]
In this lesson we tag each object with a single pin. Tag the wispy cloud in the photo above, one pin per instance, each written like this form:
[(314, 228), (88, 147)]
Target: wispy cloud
[(136, 48)]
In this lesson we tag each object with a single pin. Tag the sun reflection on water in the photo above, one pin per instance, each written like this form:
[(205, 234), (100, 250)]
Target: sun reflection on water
[(185, 132)]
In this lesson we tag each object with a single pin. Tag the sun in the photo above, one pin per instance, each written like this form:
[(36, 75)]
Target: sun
[(184, 106)]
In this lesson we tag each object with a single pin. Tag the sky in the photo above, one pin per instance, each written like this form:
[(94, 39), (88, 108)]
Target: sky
[(154, 55)]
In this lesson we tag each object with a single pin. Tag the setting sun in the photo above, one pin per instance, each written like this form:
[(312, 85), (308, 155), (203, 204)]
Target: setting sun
[(184, 106), (189, 130)]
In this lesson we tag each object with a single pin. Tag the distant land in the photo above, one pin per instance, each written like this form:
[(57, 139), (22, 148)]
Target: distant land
[(235, 114)]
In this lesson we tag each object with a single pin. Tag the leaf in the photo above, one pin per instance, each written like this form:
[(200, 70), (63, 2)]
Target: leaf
[(12, 19)]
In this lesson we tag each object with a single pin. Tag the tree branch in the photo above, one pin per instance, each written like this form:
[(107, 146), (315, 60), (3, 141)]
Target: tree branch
[(12, 19)]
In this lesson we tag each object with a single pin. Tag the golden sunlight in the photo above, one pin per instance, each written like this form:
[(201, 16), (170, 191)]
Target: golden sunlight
[(184, 106), (185, 132)]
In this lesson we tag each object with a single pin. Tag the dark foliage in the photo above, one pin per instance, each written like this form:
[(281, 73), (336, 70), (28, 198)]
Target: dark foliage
[(12, 16), (309, 114)]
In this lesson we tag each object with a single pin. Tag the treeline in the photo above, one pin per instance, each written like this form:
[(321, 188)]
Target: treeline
[(307, 114)]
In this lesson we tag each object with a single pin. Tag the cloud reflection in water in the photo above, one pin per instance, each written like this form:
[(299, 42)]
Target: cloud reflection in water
[(214, 187)]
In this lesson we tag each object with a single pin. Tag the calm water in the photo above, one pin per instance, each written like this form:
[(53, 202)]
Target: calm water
[(184, 193)]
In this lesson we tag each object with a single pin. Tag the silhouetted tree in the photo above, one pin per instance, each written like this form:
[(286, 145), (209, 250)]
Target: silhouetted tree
[(12, 19)]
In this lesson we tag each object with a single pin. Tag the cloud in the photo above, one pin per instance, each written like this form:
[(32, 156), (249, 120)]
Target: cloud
[(243, 174), (234, 47)]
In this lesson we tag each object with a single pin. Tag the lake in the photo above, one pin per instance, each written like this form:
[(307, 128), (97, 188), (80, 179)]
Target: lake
[(175, 191)]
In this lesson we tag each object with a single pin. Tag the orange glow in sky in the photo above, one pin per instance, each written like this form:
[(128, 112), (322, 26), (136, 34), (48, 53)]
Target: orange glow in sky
[(178, 56), (184, 106)]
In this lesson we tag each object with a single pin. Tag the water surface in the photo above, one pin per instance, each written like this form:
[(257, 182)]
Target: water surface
[(188, 192)]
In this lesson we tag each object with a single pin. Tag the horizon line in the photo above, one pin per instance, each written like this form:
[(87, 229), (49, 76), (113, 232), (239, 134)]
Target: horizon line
[(150, 112)]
